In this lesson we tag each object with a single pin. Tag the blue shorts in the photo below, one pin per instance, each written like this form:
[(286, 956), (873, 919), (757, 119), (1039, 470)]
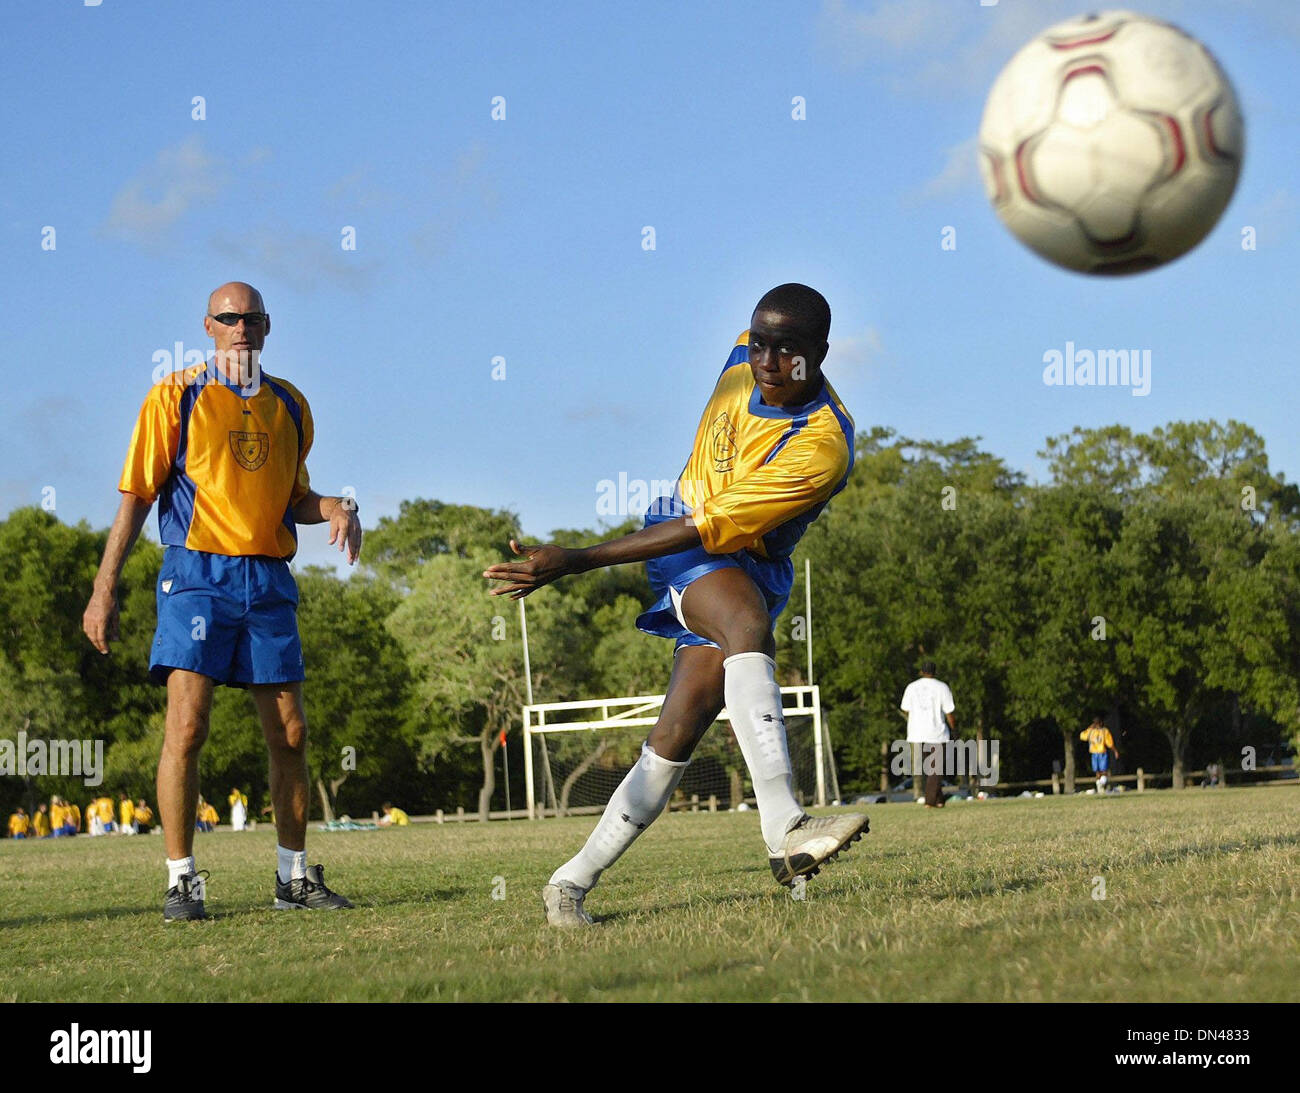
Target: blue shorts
[(670, 575), (232, 619), (1100, 761)]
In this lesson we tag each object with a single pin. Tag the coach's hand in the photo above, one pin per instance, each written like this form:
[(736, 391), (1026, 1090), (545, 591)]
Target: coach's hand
[(545, 564), (100, 622), (345, 529)]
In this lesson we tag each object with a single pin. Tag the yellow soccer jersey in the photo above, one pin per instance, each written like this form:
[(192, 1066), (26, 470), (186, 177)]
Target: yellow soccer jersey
[(759, 474), (41, 825), (1099, 740), (59, 815), (126, 812), (19, 825), (226, 468)]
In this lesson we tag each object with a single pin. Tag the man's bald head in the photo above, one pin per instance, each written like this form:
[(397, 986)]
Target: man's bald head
[(235, 292)]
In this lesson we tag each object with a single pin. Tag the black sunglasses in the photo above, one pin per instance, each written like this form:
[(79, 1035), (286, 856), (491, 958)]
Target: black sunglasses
[(251, 318)]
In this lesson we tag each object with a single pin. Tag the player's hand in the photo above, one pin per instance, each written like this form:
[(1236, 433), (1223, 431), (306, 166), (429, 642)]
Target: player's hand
[(545, 564), (100, 622), (345, 529)]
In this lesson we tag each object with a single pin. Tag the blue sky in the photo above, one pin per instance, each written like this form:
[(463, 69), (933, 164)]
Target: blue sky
[(522, 238)]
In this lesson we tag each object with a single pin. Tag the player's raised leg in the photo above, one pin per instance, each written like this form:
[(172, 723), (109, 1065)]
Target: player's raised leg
[(692, 704), (726, 607), (189, 698), (284, 725)]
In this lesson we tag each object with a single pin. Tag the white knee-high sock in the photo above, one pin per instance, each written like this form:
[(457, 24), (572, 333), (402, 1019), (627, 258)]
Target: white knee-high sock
[(640, 797), (754, 705)]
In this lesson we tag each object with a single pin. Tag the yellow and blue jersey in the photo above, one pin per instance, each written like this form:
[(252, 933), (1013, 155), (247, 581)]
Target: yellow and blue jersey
[(226, 464), (758, 475), (1099, 739)]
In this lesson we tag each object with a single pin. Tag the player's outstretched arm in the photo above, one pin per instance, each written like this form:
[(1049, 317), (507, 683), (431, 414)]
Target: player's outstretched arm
[(100, 621), (549, 563)]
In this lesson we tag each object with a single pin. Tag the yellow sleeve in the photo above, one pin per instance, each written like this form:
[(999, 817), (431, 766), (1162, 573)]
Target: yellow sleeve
[(1110, 740), (154, 442), (1084, 735), (803, 474)]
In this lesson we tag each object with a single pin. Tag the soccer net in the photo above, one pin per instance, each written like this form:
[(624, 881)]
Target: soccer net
[(576, 754)]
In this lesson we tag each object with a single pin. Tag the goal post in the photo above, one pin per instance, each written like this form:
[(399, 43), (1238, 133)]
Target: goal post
[(611, 754)]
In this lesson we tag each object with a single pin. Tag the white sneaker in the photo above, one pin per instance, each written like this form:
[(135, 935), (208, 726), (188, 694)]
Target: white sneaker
[(563, 904), (813, 841)]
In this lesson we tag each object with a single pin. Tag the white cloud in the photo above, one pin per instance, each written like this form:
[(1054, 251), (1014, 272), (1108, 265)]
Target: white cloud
[(299, 259), (162, 193), (939, 47), (856, 351), (960, 170)]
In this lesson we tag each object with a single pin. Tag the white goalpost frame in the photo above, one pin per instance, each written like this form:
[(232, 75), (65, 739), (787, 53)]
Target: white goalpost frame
[(643, 710)]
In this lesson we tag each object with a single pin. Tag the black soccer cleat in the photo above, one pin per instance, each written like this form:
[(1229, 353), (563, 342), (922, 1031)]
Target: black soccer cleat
[(307, 893), (814, 841), (184, 902)]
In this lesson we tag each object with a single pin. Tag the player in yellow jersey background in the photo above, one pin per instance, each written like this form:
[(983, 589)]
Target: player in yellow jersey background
[(1100, 746), (20, 824), (773, 446), (222, 448)]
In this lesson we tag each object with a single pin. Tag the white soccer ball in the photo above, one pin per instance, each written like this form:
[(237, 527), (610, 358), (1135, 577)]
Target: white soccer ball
[(1111, 143)]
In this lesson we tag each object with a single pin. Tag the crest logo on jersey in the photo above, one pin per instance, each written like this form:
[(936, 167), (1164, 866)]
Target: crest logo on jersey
[(723, 444), (251, 449)]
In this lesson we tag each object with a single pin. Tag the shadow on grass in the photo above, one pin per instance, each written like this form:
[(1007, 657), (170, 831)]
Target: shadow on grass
[(79, 916), (222, 913), (1206, 850)]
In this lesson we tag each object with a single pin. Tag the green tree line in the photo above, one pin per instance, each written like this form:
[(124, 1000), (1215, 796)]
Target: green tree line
[(1154, 578)]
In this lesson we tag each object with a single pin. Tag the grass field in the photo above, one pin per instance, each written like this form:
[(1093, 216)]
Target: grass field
[(982, 901)]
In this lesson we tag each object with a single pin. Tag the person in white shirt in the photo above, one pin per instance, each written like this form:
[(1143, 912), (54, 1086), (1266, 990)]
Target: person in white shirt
[(927, 704)]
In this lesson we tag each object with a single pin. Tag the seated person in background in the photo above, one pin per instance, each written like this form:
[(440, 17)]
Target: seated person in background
[(20, 824), (394, 817), (143, 817), (206, 816)]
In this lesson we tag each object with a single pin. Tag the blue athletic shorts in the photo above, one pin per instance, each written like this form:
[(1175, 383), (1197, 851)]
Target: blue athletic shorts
[(1100, 761), (672, 574), (233, 619)]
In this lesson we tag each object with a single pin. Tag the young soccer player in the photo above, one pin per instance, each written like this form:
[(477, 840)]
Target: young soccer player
[(1100, 745), (774, 445)]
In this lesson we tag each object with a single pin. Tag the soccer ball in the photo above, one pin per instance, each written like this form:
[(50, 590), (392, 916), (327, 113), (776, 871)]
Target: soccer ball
[(1111, 143)]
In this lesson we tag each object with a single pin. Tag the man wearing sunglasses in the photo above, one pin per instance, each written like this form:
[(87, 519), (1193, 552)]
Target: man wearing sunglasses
[(222, 447)]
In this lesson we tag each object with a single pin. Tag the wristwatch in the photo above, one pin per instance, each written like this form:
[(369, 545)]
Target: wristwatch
[(348, 504)]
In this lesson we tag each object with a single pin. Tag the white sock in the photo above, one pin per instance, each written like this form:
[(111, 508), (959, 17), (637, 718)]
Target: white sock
[(290, 864), (754, 705), (640, 797), (177, 868)]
